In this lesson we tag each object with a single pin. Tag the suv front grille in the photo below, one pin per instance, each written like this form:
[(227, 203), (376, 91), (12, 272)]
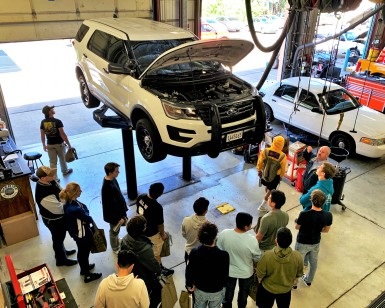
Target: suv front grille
[(228, 113)]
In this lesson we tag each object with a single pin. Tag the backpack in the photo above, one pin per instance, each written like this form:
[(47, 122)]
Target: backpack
[(271, 167)]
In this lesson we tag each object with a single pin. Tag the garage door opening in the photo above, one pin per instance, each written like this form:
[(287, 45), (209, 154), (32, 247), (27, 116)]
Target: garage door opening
[(39, 73)]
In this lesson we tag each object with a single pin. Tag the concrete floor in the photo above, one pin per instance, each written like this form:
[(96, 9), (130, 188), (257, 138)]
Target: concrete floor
[(351, 263)]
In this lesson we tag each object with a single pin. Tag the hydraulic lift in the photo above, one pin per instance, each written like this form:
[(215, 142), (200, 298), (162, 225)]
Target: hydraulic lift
[(115, 121)]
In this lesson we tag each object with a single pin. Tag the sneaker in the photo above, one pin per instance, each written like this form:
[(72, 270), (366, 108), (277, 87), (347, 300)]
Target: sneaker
[(69, 171), (304, 280), (263, 207), (70, 252), (91, 277), (90, 267), (67, 262)]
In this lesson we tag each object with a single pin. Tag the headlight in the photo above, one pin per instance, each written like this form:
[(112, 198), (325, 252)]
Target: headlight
[(373, 142), (177, 112)]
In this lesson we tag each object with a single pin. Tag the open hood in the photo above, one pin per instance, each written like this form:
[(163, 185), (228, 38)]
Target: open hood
[(227, 51)]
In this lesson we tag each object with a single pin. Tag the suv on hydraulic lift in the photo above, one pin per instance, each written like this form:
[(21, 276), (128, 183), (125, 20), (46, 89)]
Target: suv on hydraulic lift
[(176, 91)]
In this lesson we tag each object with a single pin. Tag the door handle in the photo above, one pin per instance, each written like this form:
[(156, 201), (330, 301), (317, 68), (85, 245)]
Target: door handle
[(274, 100), (84, 55)]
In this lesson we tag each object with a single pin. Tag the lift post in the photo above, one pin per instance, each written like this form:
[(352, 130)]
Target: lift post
[(116, 121), (128, 146)]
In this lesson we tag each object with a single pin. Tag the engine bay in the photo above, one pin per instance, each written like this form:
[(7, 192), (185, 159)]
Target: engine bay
[(223, 91)]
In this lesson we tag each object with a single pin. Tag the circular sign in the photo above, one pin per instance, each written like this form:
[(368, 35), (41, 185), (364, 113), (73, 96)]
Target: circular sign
[(9, 191)]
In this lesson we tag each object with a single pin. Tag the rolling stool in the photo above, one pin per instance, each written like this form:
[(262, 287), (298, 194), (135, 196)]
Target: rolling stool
[(32, 157)]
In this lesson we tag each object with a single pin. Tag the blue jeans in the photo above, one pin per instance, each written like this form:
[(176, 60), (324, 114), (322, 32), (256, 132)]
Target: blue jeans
[(243, 293), (311, 254), (206, 299)]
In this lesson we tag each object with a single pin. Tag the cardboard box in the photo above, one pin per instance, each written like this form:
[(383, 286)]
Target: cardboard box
[(19, 228), (296, 147)]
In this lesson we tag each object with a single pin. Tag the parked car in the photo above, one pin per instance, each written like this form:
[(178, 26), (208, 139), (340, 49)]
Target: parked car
[(232, 24), (264, 25), (326, 109), (212, 31), (347, 41), (277, 20), (176, 91)]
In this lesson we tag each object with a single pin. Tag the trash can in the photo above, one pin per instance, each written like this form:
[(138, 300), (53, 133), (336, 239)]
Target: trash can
[(339, 154), (339, 183)]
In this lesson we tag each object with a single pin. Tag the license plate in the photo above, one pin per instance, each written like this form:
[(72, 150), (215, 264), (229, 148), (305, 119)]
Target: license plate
[(234, 136)]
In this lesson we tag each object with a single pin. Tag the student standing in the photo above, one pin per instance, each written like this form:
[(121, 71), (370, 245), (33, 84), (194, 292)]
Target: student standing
[(147, 267), (52, 129), (277, 270), (78, 220), (310, 224), (272, 221), (192, 224), (244, 252), (208, 269), (122, 289), (325, 173), (51, 210), (114, 204), (271, 161), (152, 210)]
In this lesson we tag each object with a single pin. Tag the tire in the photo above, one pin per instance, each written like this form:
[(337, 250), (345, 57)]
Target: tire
[(342, 140), (149, 142), (88, 99), (269, 113)]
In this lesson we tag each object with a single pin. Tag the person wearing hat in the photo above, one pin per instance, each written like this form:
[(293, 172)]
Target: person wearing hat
[(51, 210), (275, 159), (52, 131)]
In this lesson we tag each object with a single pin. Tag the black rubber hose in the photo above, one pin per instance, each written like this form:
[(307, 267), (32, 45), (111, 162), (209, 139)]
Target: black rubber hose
[(279, 41)]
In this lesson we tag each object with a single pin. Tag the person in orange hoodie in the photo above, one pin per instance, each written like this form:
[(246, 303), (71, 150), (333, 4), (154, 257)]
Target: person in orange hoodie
[(271, 168)]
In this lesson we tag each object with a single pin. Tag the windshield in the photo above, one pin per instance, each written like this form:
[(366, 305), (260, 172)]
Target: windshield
[(350, 36), (189, 69), (146, 52), (338, 101)]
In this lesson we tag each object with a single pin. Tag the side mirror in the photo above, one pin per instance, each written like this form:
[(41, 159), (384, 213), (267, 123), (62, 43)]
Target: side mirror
[(127, 68), (316, 109)]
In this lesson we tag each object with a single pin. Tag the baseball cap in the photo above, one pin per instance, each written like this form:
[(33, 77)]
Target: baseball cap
[(46, 109), (45, 171)]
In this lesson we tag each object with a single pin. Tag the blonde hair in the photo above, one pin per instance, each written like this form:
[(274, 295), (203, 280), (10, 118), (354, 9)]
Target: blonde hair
[(68, 193)]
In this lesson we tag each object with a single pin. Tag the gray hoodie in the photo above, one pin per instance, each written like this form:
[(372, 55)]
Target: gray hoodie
[(190, 227), (125, 291)]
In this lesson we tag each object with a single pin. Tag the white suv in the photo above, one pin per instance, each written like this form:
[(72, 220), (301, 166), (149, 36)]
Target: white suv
[(175, 90)]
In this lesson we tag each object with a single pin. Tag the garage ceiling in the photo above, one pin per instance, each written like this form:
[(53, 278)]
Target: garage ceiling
[(31, 20)]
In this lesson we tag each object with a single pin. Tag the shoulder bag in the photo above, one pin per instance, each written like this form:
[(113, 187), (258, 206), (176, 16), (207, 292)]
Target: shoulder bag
[(71, 155), (99, 242)]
